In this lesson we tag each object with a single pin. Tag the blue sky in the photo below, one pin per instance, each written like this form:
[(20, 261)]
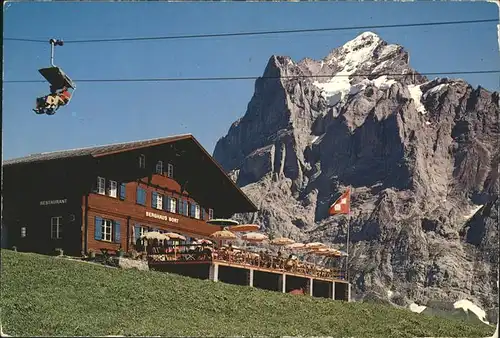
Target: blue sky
[(102, 113)]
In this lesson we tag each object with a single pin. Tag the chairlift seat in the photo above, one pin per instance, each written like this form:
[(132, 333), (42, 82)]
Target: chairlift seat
[(56, 77)]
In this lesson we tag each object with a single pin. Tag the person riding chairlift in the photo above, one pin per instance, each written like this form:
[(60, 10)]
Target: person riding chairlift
[(62, 98), (55, 99)]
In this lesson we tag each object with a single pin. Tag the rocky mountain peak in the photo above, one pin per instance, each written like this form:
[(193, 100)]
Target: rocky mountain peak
[(420, 155)]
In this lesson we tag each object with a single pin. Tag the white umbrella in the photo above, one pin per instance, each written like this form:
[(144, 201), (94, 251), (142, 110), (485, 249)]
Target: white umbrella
[(315, 245), (203, 241), (244, 228), (281, 241), (155, 235), (223, 234), (254, 237), (295, 246), (173, 235)]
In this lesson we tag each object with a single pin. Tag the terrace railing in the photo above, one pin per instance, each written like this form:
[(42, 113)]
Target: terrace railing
[(242, 257)]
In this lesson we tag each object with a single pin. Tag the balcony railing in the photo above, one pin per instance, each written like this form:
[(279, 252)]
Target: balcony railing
[(245, 258)]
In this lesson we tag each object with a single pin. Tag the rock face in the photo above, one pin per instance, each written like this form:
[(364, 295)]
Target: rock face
[(420, 155)]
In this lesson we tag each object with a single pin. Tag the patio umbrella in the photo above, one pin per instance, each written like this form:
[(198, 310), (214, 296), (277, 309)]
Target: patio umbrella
[(320, 252), (232, 246), (315, 245), (223, 234), (335, 253), (282, 241), (295, 246), (203, 241), (173, 235), (245, 227), (343, 253), (223, 222), (155, 235), (254, 237)]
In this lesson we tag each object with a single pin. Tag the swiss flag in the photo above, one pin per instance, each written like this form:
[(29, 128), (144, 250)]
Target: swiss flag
[(342, 205)]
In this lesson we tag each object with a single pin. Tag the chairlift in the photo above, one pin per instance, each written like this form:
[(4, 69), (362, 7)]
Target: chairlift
[(60, 83)]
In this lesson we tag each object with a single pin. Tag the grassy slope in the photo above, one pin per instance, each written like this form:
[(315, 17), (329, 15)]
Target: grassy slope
[(62, 297)]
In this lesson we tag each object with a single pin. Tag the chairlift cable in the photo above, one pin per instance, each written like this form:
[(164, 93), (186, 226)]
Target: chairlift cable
[(234, 78), (290, 31)]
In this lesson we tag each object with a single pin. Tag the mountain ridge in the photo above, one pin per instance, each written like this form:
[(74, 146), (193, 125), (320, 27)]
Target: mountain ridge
[(419, 154)]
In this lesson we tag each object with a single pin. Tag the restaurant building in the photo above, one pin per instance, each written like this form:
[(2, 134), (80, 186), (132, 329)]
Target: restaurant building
[(105, 197)]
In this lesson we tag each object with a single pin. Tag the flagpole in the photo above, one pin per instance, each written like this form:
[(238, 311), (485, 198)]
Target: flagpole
[(347, 245)]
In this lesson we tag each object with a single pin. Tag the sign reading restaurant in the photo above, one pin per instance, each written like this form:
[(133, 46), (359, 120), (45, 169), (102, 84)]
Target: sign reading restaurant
[(162, 217), (50, 202)]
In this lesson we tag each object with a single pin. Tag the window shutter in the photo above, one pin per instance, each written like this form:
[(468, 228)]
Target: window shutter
[(139, 195), (186, 210), (123, 191), (137, 232), (202, 213), (153, 199), (116, 231), (97, 228)]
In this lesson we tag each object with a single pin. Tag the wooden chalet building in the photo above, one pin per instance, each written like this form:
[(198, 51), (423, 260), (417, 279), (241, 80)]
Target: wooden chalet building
[(104, 197)]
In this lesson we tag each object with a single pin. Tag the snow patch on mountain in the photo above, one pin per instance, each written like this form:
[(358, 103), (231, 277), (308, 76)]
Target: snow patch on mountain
[(417, 308), (349, 58), (434, 90), (416, 95), (339, 87), (335, 89), (358, 50), (467, 305), (473, 211), (388, 50), (463, 304)]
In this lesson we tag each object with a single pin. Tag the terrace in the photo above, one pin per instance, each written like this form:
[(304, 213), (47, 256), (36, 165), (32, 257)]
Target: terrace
[(249, 258), (281, 271)]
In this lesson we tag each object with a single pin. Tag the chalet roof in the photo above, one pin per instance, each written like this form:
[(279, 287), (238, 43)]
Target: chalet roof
[(94, 151), (228, 193)]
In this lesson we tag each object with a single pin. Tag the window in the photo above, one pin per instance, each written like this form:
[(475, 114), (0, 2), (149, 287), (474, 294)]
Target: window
[(139, 230), (107, 230), (210, 213), (170, 170), (101, 185), (56, 227), (197, 211), (173, 205), (159, 167), (185, 210), (141, 196), (113, 188), (156, 200), (23, 232), (142, 161)]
